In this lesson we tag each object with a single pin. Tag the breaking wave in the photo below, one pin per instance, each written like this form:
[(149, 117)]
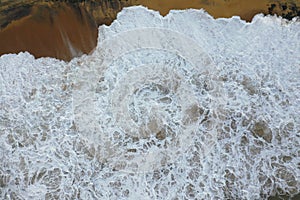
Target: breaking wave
[(175, 107)]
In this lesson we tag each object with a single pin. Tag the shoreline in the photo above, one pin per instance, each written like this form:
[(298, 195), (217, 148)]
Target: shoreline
[(66, 30)]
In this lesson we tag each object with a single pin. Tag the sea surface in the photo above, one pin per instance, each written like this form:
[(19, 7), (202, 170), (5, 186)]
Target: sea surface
[(182, 106)]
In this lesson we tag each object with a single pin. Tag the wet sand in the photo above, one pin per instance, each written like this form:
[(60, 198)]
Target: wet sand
[(66, 30), (63, 35), (226, 8)]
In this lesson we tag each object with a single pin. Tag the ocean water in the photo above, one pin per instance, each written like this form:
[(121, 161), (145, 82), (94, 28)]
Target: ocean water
[(176, 107)]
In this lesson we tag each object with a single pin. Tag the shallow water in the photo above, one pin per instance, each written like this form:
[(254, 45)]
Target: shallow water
[(61, 32)]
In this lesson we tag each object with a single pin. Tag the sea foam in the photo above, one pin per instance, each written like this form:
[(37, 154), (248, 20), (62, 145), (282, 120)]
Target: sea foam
[(177, 107)]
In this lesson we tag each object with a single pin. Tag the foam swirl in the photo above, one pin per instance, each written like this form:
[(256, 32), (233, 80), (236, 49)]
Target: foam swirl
[(152, 88)]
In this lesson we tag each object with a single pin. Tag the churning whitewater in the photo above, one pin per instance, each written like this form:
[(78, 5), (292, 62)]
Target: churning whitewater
[(175, 107)]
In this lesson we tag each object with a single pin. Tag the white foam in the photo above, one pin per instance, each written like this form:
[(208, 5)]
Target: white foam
[(182, 106)]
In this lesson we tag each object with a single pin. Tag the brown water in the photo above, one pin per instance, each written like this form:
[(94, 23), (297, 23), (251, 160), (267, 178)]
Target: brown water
[(66, 30), (63, 34)]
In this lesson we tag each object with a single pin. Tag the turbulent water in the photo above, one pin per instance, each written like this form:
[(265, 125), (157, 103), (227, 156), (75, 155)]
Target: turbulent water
[(175, 107)]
